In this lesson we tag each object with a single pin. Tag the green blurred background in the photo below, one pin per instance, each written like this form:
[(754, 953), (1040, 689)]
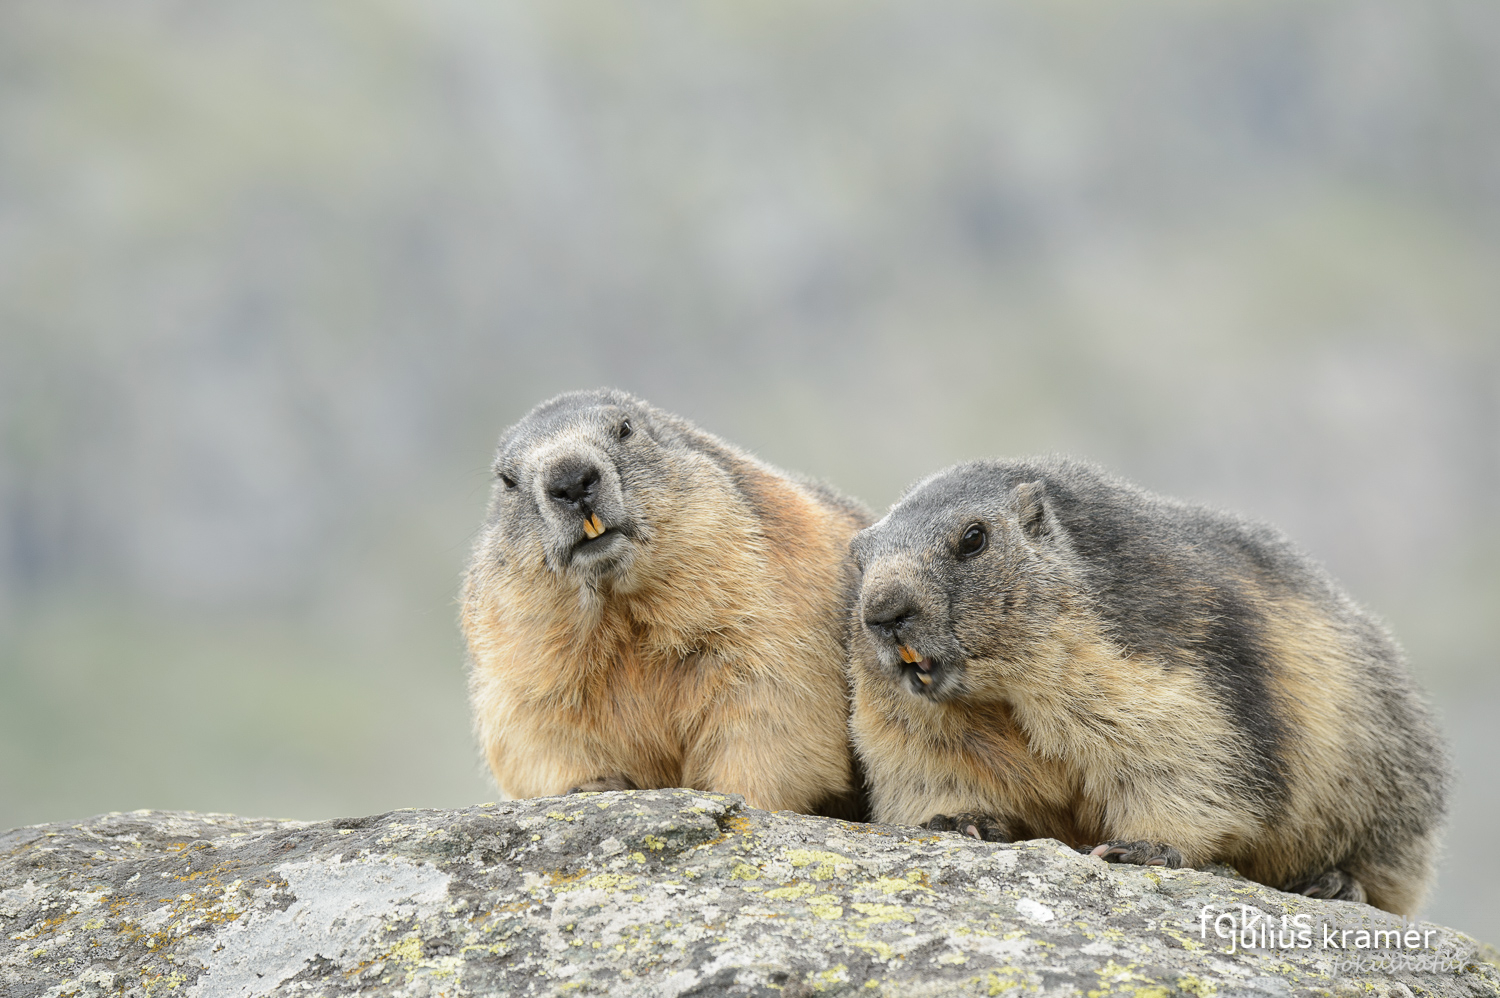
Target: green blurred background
[(274, 275)]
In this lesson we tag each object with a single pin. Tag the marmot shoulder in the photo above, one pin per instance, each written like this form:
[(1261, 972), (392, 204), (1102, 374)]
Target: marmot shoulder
[(1041, 649), (648, 606)]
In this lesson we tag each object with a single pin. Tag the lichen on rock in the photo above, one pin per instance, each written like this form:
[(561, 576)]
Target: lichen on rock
[(661, 893)]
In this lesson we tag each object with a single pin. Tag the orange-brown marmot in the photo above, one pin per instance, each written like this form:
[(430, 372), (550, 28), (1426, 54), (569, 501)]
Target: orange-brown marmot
[(648, 606)]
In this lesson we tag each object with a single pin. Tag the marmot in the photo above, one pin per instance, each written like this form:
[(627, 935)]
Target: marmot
[(1043, 650), (648, 606)]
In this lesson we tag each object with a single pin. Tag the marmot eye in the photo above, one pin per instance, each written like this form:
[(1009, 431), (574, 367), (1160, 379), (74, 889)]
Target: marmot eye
[(510, 482), (973, 540), (624, 430)]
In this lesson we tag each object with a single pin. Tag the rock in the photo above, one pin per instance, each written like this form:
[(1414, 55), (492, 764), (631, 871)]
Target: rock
[(659, 893)]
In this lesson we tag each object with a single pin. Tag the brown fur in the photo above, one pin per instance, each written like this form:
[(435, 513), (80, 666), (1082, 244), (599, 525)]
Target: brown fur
[(713, 660), (1072, 694), (1031, 755)]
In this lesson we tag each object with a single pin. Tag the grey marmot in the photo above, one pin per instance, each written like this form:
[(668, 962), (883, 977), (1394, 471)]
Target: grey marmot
[(648, 606), (1043, 650)]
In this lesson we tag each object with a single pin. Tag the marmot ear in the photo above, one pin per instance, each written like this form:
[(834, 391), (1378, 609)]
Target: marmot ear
[(1031, 509)]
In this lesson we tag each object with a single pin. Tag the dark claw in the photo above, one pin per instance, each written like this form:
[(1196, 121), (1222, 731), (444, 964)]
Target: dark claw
[(1332, 885), (604, 783), (983, 827), (1139, 853)]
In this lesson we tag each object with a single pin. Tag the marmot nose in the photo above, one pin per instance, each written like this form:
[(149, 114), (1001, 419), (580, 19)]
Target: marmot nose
[(889, 616), (572, 482)]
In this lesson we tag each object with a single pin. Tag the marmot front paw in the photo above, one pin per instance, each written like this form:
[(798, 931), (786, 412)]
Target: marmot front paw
[(984, 827), (604, 783), (1332, 885), (1139, 853)]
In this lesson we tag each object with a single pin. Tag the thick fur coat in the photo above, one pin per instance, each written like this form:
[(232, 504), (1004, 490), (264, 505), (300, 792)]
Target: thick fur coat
[(648, 606), (1041, 649)]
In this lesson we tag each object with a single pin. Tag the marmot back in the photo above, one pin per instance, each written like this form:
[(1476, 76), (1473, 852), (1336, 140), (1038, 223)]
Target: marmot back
[(648, 607), (1044, 650)]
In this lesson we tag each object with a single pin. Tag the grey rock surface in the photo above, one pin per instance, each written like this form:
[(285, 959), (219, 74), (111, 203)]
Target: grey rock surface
[(668, 893)]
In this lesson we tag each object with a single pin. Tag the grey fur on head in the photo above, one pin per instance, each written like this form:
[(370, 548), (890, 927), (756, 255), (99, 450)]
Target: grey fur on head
[(581, 455)]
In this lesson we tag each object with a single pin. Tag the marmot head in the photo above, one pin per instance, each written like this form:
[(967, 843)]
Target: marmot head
[(957, 580), (579, 483)]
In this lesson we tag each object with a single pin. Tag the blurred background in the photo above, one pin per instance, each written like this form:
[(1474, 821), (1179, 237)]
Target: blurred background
[(275, 275)]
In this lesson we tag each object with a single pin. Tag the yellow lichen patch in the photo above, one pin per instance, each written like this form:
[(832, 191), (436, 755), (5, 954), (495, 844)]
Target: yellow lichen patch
[(874, 947), (1151, 991), (45, 926), (1007, 979), (493, 949), (741, 821), (915, 880), (825, 906), (744, 871), (1197, 986), (161, 982), (653, 843), (405, 953), (1188, 942), (829, 978), (954, 958), (734, 824), (1116, 978), (825, 864), (408, 951), (607, 882), (1112, 971), (565, 881), (189, 911), (446, 966), (878, 913), (793, 892), (504, 909), (559, 816)]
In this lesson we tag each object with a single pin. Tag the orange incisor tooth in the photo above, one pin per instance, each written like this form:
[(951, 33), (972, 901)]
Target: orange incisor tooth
[(592, 526), (908, 654)]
